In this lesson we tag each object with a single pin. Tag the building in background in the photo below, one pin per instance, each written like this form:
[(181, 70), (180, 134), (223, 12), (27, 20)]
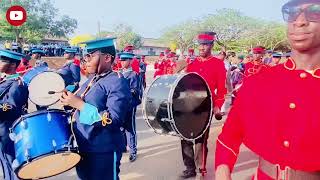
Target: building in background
[(151, 47), (55, 40)]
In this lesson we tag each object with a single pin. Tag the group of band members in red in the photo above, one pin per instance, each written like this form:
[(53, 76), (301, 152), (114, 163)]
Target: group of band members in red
[(166, 63)]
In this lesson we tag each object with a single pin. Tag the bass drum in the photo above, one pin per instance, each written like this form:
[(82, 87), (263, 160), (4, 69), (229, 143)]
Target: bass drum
[(43, 142), (178, 105), (40, 81)]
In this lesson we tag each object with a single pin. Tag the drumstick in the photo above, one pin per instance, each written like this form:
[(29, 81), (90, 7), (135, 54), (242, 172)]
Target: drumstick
[(55, 92)]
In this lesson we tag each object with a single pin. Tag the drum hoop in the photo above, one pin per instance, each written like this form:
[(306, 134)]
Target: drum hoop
[(72, 150), (144, 100), (45, 105), (39, 74), (173, 123), (38, 70), (16, 122)]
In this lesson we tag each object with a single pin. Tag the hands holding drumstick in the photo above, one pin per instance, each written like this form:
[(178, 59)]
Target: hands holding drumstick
[(69, 99)]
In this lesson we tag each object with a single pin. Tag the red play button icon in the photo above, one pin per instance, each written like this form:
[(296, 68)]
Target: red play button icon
[(16, 15)]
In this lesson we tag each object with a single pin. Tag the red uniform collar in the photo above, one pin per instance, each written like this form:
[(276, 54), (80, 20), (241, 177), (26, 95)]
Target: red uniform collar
[(291, 65)]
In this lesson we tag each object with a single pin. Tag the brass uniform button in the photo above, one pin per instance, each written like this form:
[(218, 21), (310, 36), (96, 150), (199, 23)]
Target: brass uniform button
[(303, 75), (286, 144), (292, 106)]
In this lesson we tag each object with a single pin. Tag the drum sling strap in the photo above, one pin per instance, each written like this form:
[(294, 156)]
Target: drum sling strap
[(105, 118)]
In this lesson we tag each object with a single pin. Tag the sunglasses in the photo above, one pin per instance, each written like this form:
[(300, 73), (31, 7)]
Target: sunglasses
[(311, 13), (87, 58)]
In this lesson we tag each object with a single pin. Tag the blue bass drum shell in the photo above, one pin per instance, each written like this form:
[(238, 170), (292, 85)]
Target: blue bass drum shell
[(28, 76), (39, 135)]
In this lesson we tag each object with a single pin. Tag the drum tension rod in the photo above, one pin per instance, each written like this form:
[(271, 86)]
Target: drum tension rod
[(166, 120)]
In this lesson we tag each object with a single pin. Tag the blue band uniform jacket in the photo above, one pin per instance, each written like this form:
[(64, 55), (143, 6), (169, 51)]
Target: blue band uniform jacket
[(110, 95), (70, 73), (13, 100), (135, 86)]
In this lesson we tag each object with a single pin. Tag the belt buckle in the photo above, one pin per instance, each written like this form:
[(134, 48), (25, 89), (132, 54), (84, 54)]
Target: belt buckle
[(282, 174)]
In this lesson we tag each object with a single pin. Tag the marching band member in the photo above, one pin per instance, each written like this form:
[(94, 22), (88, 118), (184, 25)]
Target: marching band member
[(13, 99), (70, 72), (191, 56), (135, 89), (214, 73), (276, 57), (24, 66), (36, 56), (255, 66), (101, 106), (283, 122), (143, 70), (159, 65)]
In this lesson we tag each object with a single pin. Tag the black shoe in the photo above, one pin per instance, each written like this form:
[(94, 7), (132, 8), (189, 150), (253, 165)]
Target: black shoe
[(132, 157), (188, 174)]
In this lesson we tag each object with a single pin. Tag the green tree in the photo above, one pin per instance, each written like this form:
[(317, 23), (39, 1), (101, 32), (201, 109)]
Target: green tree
[(182, 35), (125, 35), (237, 31), (270, 35), (229, 24)]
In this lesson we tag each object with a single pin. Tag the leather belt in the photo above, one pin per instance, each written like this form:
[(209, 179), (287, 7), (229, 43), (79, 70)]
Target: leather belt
[(275, 172)]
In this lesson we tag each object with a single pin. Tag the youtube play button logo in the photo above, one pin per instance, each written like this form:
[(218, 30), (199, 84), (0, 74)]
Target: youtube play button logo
[(16, 15)]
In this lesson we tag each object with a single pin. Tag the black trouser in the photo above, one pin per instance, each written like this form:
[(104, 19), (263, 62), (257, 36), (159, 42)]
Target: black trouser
[(99, 166), (197, 158)]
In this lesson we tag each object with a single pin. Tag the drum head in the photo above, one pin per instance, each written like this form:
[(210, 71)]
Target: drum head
[(41, 84), (49, 165), (191, 106)]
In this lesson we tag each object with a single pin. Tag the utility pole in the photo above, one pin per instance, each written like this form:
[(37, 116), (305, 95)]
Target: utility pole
[(99, 29)]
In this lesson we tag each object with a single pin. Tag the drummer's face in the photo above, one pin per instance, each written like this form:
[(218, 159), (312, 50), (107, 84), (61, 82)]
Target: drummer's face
[(205, 49), (35, 56), (67, 55), (258, 57), (125, 64), (92, 62), (4, 65), (276, 60)]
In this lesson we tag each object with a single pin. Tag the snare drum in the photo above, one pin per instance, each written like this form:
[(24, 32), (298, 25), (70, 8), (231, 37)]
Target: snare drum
[(178, 105), (43, 144), (40, 81)]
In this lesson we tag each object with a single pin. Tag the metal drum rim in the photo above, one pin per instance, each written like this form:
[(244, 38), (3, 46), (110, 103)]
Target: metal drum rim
[(144, 99), (46, 104), (45, 155), (35, 68), (170, 102), (171, 113), (16, 122)]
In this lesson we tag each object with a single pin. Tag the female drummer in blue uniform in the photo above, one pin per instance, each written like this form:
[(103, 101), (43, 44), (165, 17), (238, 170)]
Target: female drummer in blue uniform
[(135, 89), (13, 99), (101, 106), (36, 55), (70, 71)]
